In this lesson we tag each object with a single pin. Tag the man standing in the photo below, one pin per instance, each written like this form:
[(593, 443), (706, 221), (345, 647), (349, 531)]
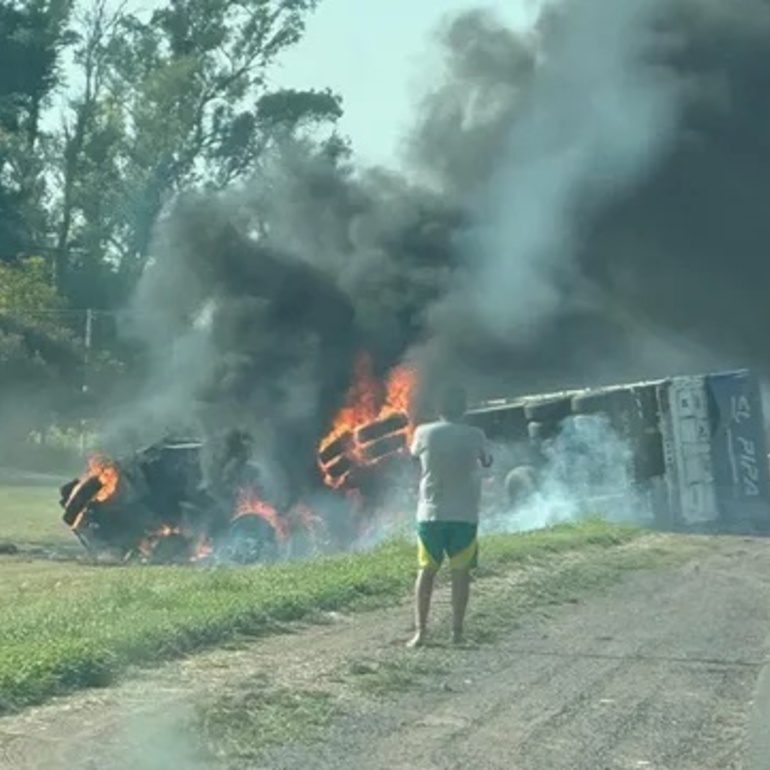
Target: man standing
[(451, 456)]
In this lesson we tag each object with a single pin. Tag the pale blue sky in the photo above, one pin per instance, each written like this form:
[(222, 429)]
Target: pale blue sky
[(376, 54)]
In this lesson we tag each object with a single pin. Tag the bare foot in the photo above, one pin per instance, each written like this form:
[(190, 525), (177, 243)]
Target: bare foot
[(417, 640)]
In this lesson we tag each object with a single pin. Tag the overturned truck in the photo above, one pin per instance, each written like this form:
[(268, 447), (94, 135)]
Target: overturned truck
[(695, 446)]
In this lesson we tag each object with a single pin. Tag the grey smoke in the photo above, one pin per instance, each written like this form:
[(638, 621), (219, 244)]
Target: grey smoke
[(587, 472), (595, 120), (658, 268), (587, 204)]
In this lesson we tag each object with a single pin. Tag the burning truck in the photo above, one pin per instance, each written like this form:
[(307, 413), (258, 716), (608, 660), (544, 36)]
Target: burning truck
[(687, 452), (167, 504)]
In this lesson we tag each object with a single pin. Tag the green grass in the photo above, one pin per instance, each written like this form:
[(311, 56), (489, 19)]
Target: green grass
[(32, 516), (402, 671), (67, 625)]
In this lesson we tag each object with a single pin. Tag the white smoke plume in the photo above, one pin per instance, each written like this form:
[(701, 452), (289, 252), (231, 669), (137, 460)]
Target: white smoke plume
[(596, 120), (587, 472), (589, 120)]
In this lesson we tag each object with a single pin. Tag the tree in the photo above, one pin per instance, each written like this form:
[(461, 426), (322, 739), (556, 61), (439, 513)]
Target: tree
[(32, 37), (168, 103), (158, 105), (42, 360), (38, 358)]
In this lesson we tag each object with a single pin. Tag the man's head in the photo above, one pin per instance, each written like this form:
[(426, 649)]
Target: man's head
[(453, 403)]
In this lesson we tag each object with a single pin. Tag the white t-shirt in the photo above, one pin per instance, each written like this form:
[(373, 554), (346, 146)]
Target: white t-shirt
[(450, 455)]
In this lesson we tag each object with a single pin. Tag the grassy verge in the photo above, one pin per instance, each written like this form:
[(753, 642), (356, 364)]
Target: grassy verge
[(32, 516), (67, 626)]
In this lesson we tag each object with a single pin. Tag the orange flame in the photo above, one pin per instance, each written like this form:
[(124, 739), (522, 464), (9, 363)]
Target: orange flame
[(108, 476), (149, 542), (203, 549), (399, 389), (360, 403), (107, 473), (368, 401), (249, 503)]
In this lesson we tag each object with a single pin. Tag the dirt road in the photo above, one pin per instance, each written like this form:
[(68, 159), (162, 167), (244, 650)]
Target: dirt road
[(659, 673)]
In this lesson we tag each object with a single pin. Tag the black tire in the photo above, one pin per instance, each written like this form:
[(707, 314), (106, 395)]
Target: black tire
[(649, 458), (336, 448), (376, 450), (66, 490), (80, 499), (375, 431), (553, 410), (250, 539)]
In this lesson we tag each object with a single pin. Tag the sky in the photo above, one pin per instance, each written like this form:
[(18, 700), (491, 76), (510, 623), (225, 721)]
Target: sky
[(377, 55)]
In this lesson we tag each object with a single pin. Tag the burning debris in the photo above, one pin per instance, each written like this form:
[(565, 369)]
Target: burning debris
[(374, 424), (181, 501), (155, 506)]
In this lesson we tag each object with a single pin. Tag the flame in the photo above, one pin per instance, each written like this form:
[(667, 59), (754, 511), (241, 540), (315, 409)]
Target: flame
[(148, 543), (107, 473), (203, 549), (167, 530), (399, 389), (249, 503), (360, 403), (108, 476), (368, 401)]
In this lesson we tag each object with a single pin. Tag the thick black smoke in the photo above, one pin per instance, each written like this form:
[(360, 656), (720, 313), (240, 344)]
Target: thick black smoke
[(667, 271), (588, 201), (689, 248)]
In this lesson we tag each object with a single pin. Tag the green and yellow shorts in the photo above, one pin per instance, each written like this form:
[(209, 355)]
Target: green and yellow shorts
[(457, 539)]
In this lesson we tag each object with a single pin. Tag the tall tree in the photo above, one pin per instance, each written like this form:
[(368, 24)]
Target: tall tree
[(176, 100), (33, 34), (84, 150)]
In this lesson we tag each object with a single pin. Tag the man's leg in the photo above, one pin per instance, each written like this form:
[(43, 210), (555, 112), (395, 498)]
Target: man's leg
[(463, 556), (422, 595), (461, 589), (429, 557)]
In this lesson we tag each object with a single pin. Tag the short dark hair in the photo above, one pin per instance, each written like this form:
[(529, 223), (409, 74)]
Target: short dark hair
[(453, 403)]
